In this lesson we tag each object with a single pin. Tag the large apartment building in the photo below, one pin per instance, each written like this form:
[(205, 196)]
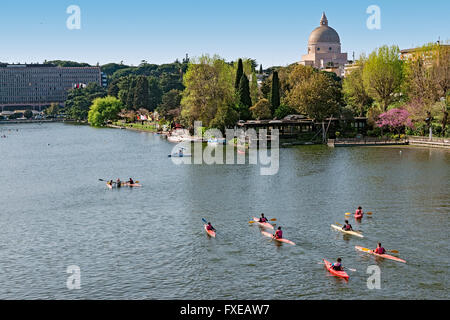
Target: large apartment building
[(38, 86)]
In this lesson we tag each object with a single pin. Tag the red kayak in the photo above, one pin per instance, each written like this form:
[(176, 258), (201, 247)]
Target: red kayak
[(385, 256), (211, 233), (263, 224), (340, 274), (269, 235)]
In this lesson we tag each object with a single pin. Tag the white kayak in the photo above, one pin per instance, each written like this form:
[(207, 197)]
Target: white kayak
[(352, 233)]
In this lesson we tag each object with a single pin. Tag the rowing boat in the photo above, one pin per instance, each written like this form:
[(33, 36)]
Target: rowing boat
[(352, 233), (211, 233), (386, 256), (341, 274), (269, 235), (263, 224)]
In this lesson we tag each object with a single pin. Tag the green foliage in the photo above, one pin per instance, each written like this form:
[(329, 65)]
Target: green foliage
[(261, 110), (170, 101), (141, 93), (104, 110), (244, 92), (209, 86), (79, 101), (28, 114), (383, 75), (284, 111), (275, 102), (239, 74), (355, 92)]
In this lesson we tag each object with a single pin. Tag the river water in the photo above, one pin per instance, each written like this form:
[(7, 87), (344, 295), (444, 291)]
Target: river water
[(149, 243)]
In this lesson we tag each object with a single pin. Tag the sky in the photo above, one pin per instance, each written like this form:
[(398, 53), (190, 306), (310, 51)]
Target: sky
[(275, 33)]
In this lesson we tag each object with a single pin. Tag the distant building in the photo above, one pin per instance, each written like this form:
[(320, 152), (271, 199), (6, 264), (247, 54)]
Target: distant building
[(38, 86), (409, 54), (324, 49)]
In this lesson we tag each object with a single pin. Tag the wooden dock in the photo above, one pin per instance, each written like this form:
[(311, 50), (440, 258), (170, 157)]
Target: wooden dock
[(366, 142)]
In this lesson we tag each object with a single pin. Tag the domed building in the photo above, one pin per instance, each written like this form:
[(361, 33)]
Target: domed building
[(324, 49)]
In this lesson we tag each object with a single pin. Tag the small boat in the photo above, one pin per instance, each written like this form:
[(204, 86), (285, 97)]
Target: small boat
[(269, 235), (211, 233), (352, 233), (385, 256), (340, 274), (176, 155), (263, 224)]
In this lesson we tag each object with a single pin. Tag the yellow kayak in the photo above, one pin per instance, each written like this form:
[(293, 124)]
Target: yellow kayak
[(351, 233)]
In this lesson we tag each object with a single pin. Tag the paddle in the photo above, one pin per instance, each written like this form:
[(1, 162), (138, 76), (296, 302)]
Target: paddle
[(206, 222), (368, 213)]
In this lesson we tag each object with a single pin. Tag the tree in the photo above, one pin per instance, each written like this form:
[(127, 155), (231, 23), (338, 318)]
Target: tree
[(261, 110), (141, 93), (244, 92), (284, 111), (383, 75), (155, 93), (275, 92), (355, 92), (113, 89), (104, 110), (225, 117), (239, 74), (79, 100), (28, 114), (318, 96), (395, 119), (209, 86), (260, 69), (170, 101), (53, 110), (131, 93)]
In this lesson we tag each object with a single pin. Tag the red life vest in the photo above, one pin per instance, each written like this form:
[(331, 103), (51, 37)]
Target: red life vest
[(380, 250), (279, 234)]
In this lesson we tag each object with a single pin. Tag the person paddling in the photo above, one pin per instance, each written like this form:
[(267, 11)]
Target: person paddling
[(347, 226), (110, 182), (359, 214), (278, 234), (119, 183), (209, 227), (338, 265), (379, 249), (131, 181), (263, 219)]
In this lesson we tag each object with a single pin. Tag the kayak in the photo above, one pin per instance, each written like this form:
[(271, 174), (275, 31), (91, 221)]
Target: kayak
[(263, 224), (133, 185), (109, 186), (269, 235), (386, 256), (352, 233), (211, 233), (180, 156), (341, 274)]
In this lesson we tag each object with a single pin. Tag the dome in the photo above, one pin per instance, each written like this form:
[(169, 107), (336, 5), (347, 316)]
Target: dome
[(324, 34)]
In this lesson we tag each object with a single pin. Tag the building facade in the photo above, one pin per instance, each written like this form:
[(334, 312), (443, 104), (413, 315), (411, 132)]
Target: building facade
[(38, 86), (324, 49)]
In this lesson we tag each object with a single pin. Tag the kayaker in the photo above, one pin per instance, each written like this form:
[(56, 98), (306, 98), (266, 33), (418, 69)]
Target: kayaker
[(338, 265), (278, 234), (263, 219), (130, 181), (359, 213), (379, 249), (209, 227), (110, 182), (119, 183), (347, 226)]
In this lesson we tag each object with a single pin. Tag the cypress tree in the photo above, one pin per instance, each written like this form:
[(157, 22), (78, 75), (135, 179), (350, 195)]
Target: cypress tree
[(239, 73), (130, 95), (141, 94), (275, 92), (244, 92), (260, 69)]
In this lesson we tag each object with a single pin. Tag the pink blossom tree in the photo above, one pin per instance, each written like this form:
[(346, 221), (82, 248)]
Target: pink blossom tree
[(395, 120)]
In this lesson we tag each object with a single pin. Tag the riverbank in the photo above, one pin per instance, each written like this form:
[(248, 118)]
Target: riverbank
[(376, 142)]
